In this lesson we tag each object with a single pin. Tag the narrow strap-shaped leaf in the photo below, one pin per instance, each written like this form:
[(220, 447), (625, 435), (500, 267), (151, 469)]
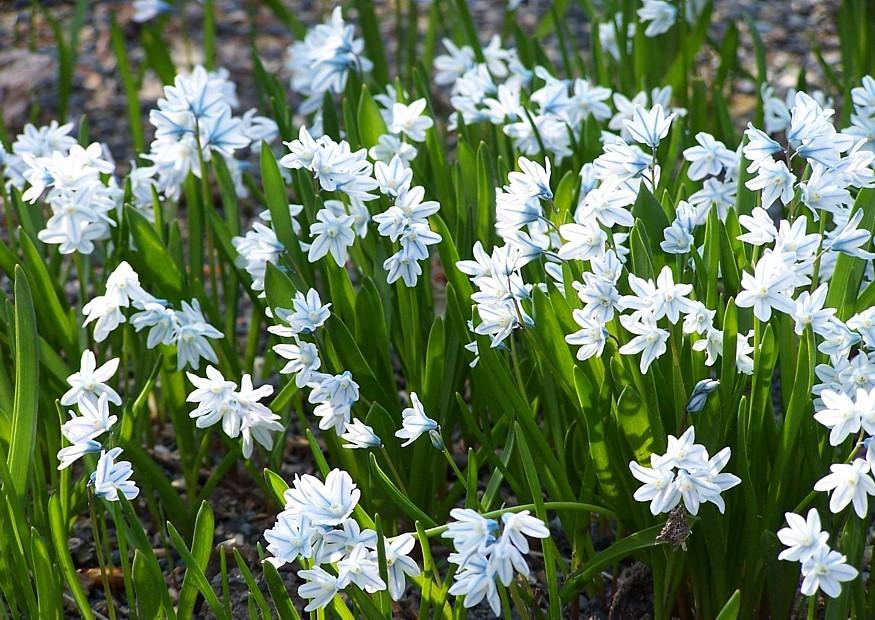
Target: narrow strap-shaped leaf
[(194, 574), (25, 406)]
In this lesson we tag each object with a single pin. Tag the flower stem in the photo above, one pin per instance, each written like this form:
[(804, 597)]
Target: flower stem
[(392, 468), (101, 560), (455, 467)]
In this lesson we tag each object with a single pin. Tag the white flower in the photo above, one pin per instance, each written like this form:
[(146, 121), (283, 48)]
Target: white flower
[(454, 64), (106, 314), (761, 229), (658, 488), (709, 158), (192, 336), (660, 14), (469, 532), (699, 319), (670, 298), (393, 176), (649, 340), (775, 181), (307, 314), (90, 381), (328, 503), (802, 537), (408, 120), (649, 126), (518, 525), (766, 289), (291, 537), (331, 233), (113, 477), (682, 452), (810, 311), (608, 204), (303, 360), (475, 583), (257, 248), (322, 61), (93, 420), (848, 239), (848, 483), (389, 146), (360, 435), (360, 568), (685, 473), (583, 241), (415, 422), (759, 148), (399, 564), (72, 453), (320, 586), (591, 337), (335, 395), (840, 414), (825, 570), (161, 321), (337, 544)]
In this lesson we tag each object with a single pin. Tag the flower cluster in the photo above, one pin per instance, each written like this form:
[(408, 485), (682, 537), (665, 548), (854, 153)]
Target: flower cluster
[(91, 395), (195, 121), (33, 144), (316, 525), (239, 411), (333, 395), (322, 61), (485, 556), (186, 328), (405, 222), (258, 247), (498, 302), (684, 473), (822, 568), (79, 199)]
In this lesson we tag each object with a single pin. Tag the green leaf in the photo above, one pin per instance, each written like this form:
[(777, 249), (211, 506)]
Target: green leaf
[(254, 591), (613, 554), (152, 258), (196, 561), (372, 34), (397, 497), (194, 573), (47, 587), (62, 555), (641, 427), (148, 586), (531, 471), (731, 608), (277, 485), (278, 593), (370, 122), (50, 312), (26, 404)]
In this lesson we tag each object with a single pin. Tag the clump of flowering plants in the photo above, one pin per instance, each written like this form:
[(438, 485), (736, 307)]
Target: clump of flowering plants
[(537, 323)]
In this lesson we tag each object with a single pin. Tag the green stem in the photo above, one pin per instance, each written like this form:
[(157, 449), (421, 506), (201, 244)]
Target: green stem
[(455, 467), (101, 560), (120, 533), (392, 468)]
